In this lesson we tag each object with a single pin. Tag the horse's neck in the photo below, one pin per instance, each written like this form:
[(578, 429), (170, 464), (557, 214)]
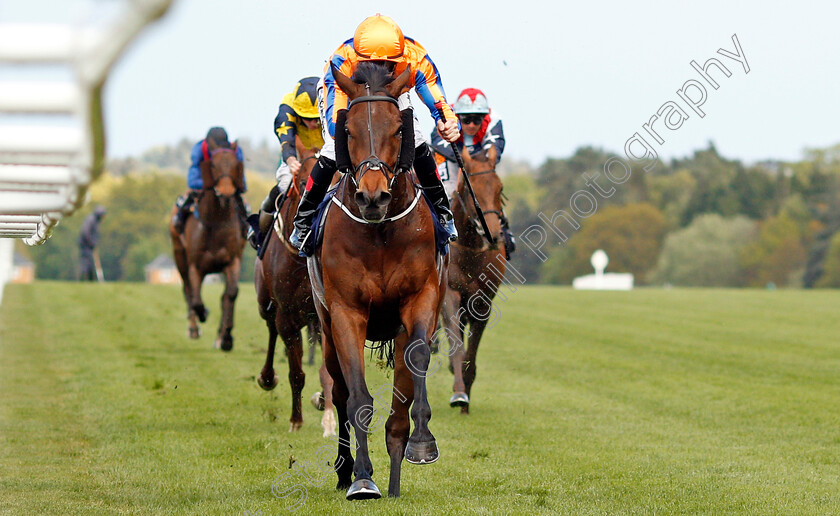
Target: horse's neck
[(211, 211), (468, 235)]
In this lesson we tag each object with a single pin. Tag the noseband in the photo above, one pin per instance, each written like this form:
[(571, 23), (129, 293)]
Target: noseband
[(372, 162), (474, 219), (226, 174)]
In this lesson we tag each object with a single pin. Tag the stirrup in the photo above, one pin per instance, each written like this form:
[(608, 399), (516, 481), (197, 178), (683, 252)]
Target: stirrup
[(298, 237), (449, 227), (254, 234)]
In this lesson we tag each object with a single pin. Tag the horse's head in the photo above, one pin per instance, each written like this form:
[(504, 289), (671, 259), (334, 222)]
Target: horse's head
[(223, 172), (488, 190), (374, 130)]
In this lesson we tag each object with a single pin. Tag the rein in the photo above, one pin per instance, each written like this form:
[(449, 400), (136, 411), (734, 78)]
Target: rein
[(372, 161), (295, 175), (476, 219), (213, 153)]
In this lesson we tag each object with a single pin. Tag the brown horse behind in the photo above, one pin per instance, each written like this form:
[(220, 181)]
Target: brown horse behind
[(377, 275), (476, 268), (213, 241), (284, 296)]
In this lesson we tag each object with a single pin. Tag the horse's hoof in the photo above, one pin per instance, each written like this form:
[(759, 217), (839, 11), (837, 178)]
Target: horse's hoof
[(225, 344), (294, 426), (421, 453), (193, 333), (459, 399), (268, 385), (317, 400), (363, 489)]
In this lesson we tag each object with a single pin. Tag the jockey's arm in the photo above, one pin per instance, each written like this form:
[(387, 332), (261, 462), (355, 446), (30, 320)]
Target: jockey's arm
[(285, 128), (496, 137), (441, 146)]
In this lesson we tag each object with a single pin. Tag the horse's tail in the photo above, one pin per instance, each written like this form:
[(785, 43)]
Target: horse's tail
[(383, 351)]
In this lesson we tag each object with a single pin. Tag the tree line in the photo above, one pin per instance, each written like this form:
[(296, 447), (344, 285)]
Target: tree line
[(701, 220)]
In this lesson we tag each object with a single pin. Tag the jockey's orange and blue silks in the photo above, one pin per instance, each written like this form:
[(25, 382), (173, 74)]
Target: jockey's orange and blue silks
[(424, 78)]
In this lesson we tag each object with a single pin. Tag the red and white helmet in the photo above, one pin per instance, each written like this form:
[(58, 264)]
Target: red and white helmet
[(471, 100)]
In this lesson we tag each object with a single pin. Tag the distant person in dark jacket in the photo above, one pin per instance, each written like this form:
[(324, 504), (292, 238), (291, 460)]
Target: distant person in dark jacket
[(88, 242)]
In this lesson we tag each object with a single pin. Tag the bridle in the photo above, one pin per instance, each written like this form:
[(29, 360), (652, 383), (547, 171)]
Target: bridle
[(226, 174), (474, 219), (295, 175), (372, 162)]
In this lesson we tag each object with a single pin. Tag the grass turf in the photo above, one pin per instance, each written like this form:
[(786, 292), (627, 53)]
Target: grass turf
[(652, 401)]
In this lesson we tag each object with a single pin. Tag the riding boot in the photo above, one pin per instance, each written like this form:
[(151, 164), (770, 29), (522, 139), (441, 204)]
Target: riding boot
[(316, 188), (510, 242), (426, 169), (183, 204)]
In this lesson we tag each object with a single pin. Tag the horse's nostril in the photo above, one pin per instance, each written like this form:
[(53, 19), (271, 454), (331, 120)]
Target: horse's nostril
[(362, 199), (384, 199)]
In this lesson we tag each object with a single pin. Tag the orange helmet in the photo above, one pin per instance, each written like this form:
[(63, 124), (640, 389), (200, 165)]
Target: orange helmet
[(379, 38)]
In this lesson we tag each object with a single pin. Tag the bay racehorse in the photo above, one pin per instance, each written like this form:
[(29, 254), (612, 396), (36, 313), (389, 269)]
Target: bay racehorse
[(377, 275), (476, 268), (213, 239), (284, 296)]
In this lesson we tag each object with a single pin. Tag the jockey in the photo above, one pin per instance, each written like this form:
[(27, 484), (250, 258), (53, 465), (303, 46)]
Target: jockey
[(378, 38), (481, 129), (296, 117), (200, 152)]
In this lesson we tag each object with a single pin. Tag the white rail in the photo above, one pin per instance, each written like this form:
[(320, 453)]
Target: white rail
[(45, 168)]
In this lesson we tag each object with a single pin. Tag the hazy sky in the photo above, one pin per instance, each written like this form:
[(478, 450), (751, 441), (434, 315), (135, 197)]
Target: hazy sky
[(561, 74)]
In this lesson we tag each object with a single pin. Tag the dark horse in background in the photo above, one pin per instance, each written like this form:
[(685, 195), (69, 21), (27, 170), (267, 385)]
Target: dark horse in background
[(284, 296), (212, 240), (476, 268), (377, 275)]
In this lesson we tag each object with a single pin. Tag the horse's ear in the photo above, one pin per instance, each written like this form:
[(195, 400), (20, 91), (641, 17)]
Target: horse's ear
[(395, 89), (465, 153), (211, 144), (234, 145), (492, 154), (346, 84)]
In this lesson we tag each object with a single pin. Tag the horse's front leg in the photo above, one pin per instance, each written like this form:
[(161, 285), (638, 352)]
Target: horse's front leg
[(348, 333), (224, 340), (196, 305), (418, 316), (470, 363)]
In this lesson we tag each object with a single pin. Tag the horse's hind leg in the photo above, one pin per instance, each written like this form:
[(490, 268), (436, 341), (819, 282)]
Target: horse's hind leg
[(224, 340), (297, 378), (313, 334), (398, 425), (453, 323), (328, 419)]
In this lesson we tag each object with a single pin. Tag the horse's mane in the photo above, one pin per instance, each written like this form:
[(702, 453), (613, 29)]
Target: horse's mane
[(375, 75)]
